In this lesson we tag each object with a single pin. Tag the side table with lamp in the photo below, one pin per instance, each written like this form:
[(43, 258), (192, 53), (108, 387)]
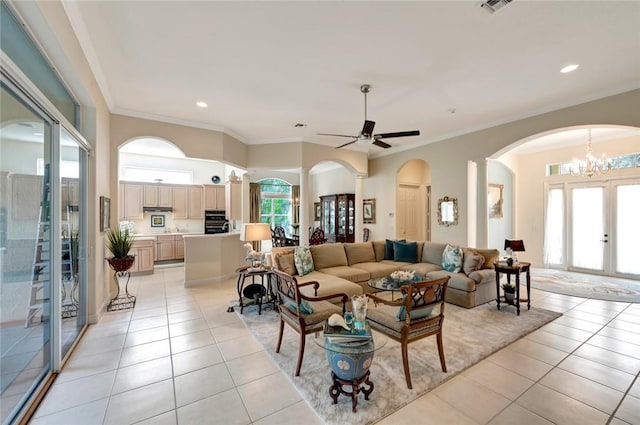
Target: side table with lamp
[(254, 292), (511, 266)]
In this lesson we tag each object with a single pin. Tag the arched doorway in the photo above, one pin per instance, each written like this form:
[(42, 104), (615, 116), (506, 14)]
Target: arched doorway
[(413, 200)]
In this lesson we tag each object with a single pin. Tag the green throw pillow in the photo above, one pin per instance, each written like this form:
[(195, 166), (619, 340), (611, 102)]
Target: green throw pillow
[(405, 251), (452, 259), (305, 306), (388, 248), (303, 259), (415, 314)]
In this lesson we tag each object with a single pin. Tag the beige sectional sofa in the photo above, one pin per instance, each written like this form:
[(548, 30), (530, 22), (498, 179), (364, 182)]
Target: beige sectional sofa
[(348, 267)]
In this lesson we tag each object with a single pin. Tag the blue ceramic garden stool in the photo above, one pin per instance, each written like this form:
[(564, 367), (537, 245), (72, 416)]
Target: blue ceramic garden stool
[(350, 366)]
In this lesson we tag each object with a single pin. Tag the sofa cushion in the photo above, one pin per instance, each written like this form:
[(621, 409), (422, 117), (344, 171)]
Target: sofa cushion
[(491, 256), (421, 269), (359, 252), (452, 258), (352, 274), (329, 285), (378, 248), (328, 255), (483, 276), (457, 280), (377, 269), (388, 248), (303, 259), (283, 260), (471, 261), (405, 251), (432, 252)]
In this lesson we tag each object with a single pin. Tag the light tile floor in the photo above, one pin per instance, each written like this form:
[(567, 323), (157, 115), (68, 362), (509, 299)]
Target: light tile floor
[(180, 358)]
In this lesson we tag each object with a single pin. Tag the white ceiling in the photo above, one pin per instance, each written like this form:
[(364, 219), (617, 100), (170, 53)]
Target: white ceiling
[(264, 66)]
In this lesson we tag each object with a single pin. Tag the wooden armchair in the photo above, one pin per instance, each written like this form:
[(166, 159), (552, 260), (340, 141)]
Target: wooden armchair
[(295, 311), (422, 305), (317, 237)]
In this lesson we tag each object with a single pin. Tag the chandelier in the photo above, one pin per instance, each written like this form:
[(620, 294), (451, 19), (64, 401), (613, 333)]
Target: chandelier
[(590, 165)]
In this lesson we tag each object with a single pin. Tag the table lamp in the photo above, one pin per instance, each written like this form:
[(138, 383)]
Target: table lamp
[(511, 246), (252, 232)]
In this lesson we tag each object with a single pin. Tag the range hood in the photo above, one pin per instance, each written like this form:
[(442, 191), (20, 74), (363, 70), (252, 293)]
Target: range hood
[(157, 209)]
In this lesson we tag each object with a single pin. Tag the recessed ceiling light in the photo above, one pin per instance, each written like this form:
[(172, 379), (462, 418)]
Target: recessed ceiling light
[(569, 68), (201, 104)]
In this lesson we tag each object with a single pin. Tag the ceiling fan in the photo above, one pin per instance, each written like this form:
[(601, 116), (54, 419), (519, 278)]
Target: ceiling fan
[(366, 134)]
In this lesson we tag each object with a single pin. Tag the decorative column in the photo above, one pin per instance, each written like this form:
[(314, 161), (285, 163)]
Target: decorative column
[(358, 207), (482, 216), (303, 230)]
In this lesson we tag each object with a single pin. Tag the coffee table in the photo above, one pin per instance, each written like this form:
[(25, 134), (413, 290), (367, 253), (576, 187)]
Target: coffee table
[(350, 363)]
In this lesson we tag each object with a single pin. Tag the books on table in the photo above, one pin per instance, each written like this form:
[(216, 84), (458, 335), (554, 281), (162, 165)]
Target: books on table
[(340, 335)]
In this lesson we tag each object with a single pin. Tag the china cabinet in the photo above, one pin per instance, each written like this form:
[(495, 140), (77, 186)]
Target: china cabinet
[(337, 217)]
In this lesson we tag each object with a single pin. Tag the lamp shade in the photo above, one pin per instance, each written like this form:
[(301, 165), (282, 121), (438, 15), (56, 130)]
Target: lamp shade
[(515, 244), (255, 232)]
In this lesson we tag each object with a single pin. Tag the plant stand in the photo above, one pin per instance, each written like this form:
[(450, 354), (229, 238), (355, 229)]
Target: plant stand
[(357, 386), (123, 299), (121, 275)]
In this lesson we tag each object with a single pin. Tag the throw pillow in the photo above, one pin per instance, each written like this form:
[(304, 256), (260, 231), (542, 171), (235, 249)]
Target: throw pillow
[(286, 263), (415, 314), (388, 248), (472, 261), (303, 260), (405, 251), (305, 306), (451, 259)]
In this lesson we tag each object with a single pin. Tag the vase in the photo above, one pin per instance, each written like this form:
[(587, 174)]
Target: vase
[(509, 296), (359, 310)]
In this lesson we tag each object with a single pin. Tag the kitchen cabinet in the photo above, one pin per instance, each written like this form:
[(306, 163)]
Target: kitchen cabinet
[(132, 196), (157, 195), (214, 197), (196, 207), (169, 247), (233, 202), (337, 217), (188, 202), (179, 247), (144, 251)]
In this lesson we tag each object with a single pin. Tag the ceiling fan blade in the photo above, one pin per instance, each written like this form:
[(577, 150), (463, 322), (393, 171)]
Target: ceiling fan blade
[(397, 134), (347, 144), (337, 135), (367, 128), (381, 143)]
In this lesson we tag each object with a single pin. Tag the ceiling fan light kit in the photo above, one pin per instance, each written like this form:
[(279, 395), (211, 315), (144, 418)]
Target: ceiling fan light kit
[(366, 136)]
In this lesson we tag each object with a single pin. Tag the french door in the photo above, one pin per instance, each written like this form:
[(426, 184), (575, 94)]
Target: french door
[(592, 227)]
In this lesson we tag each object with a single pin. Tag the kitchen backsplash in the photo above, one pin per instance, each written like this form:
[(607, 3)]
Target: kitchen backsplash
[(170, 225)]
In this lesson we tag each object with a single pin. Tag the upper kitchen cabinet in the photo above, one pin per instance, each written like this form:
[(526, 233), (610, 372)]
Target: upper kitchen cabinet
[(132, 197), (157, 195), (214, 197), (233, 207), (188, 202)]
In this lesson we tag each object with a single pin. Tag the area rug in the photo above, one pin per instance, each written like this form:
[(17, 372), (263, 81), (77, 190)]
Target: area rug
[(585, 285), (469, 336)]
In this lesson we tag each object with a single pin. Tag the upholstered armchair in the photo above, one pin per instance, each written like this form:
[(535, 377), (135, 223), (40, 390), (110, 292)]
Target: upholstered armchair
[(304, 314), (419, 313)]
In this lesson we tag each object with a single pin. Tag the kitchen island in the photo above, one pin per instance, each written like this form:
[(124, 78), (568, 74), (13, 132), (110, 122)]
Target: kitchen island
[(212, 258)]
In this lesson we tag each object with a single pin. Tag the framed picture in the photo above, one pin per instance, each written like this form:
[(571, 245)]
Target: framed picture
[(369, 211), (317, 211), (494, 200), (157, 221), (105, 213)]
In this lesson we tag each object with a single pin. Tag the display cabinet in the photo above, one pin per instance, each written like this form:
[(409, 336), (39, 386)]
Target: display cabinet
[(337, 217)]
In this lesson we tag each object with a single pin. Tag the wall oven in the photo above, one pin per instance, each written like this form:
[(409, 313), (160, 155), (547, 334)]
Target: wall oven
[(215, 222)]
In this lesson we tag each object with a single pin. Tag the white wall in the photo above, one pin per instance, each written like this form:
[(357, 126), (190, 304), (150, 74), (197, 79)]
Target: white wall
[(202, 170)]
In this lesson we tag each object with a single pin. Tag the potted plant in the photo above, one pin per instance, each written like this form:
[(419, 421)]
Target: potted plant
[(119, 242), (509, 291)]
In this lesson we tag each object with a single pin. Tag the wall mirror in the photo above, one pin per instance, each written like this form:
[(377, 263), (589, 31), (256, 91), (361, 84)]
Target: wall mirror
[(448, 211)]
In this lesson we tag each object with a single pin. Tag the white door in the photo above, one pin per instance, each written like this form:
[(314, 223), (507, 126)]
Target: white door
[(593, 227), (409, 212)]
